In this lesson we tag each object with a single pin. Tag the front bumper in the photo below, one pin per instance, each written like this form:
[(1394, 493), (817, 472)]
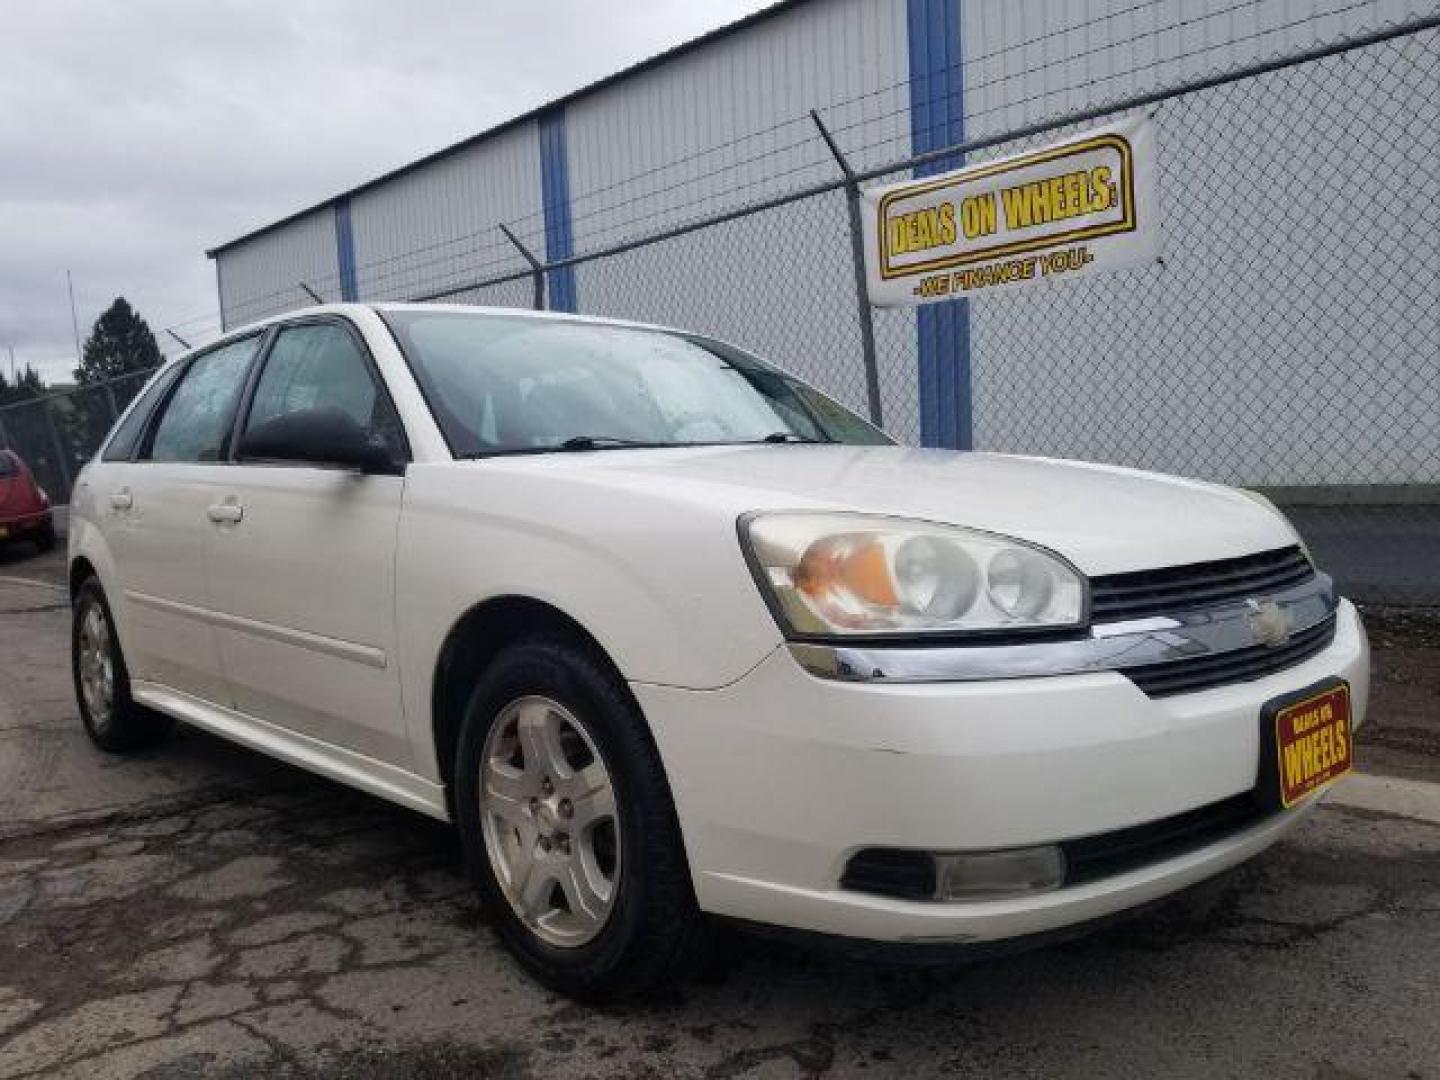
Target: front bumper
[(781, 776)]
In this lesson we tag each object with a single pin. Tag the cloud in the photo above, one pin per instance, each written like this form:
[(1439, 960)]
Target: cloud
[(136, 135)]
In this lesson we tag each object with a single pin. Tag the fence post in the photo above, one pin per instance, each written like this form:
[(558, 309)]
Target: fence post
[(110, 398), (61, 457), (537, 268), (857, 255)]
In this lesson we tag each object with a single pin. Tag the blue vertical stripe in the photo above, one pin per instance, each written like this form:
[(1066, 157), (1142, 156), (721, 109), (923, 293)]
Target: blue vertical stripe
[(345, 250), (555, 198), (937, 120), (220, 291)]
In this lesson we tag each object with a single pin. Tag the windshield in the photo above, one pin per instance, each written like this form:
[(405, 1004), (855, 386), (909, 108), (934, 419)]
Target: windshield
[(502, 385)]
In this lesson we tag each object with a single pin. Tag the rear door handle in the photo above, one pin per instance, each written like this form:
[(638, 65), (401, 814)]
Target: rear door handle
[(122, 500), (226, 513)]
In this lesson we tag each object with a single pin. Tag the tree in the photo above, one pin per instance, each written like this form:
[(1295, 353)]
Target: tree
[(119, 343), (28, 384)]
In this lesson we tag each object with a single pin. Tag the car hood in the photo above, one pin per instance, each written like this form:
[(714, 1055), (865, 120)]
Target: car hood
[(1104, 519)]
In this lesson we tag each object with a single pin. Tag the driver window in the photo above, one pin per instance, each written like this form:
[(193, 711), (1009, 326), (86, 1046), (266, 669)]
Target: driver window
[(320, 366)]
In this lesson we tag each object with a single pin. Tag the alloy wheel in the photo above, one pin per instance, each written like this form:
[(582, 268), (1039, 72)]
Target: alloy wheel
[(550, 823), (97, 668)]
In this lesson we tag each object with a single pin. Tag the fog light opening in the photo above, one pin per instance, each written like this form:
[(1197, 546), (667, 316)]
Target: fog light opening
[(982, 875)]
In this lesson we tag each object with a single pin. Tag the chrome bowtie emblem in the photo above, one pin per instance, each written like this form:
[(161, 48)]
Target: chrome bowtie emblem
[(1270, 624)]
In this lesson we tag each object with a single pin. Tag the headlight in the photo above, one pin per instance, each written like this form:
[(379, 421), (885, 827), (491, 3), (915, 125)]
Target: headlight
[(853, 574)]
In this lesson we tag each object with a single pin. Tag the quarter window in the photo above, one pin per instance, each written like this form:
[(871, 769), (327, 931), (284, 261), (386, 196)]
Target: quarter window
[(320, 366), (200, 411)]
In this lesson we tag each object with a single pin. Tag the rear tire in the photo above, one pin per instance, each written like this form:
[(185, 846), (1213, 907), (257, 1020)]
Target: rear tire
[(45, 538), (112, 719), (594, 915)]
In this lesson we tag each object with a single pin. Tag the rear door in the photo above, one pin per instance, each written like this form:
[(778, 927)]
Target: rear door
[(303, 575), (156, 510)]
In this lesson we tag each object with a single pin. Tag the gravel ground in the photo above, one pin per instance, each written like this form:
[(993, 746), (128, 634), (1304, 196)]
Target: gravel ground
[(201, 911)]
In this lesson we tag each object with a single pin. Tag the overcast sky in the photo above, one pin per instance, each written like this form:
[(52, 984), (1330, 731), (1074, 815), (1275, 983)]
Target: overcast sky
[(135, 135)]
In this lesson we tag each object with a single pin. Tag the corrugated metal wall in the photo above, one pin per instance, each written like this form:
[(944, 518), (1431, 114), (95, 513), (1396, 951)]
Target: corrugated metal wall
[(435, 227), (680, 138), (1026, 60), (261, 277), (673, 143)]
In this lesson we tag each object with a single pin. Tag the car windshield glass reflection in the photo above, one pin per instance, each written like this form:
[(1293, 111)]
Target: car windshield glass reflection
[(507, 385)]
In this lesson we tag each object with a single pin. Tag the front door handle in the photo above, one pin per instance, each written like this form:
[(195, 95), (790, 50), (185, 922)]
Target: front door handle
[(122, 500), (226, 513)]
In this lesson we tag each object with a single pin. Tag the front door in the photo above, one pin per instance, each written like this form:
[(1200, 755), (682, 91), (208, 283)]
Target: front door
[(302, 571)]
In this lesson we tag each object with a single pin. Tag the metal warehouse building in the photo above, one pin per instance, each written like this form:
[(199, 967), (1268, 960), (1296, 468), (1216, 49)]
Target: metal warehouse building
[(1277, 343)]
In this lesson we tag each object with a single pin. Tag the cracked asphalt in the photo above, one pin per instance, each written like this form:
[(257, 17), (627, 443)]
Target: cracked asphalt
[(201, 911)]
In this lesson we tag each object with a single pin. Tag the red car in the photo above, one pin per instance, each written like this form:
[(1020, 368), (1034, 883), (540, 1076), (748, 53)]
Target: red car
[(24, 506)]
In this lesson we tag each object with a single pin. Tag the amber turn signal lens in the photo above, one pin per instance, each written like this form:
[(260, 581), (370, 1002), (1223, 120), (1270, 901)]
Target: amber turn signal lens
[(856, 564)]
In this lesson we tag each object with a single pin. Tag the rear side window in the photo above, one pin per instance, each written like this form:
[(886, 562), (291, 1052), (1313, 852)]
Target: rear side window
[(122, 444), (320, 366), (198, 416)]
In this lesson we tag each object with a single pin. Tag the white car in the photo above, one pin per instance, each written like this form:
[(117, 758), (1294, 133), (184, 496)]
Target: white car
[(665, 631)]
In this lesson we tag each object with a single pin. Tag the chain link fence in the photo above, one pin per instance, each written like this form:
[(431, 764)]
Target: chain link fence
[(1288, 341), (58, 433)]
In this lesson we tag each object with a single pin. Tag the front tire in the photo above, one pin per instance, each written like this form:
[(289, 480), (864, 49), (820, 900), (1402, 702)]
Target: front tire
[(112, 719), (568, 826)]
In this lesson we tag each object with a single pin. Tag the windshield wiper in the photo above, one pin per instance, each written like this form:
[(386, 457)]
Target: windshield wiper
[(582, 443), (574, 444), (602, 442), (790, 437)]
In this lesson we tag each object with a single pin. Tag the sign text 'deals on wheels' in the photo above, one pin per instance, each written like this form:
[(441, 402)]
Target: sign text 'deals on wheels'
[(1070, 208)]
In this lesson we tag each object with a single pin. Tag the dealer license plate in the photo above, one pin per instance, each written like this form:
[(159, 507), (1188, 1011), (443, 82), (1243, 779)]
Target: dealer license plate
[(1313, 745)]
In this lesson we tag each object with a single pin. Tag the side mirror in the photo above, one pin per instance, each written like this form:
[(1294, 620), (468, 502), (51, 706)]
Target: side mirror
[(326, 436)]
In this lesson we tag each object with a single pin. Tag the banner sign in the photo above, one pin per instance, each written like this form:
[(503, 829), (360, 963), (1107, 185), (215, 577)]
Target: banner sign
[(1062, 211)]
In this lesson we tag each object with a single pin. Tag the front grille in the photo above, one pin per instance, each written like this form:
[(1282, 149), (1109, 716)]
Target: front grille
[(1108, 854), (1116, 597), (1239, 665)]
